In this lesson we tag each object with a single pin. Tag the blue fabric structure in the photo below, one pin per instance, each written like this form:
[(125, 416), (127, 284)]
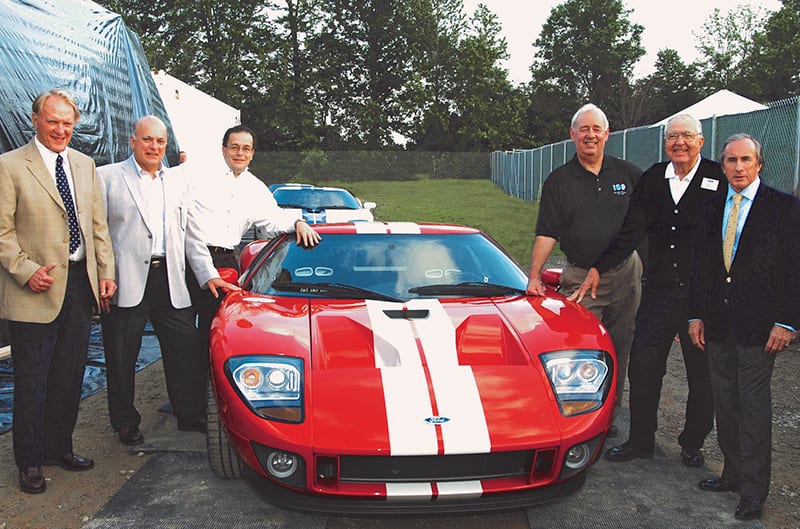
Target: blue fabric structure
[(80, 46)]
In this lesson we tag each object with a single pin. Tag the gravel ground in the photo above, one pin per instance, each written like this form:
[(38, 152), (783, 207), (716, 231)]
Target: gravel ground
[(72, 498)]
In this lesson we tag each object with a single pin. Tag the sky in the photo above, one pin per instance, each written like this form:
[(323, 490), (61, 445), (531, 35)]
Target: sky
[(666, 25)]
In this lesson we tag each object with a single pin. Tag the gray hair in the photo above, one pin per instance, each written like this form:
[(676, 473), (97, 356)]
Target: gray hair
[(588, 108), (63, 94), (687, 117), (743, 136)]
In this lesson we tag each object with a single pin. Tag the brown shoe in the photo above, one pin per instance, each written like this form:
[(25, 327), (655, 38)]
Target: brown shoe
[(31, 480), (130, 435)]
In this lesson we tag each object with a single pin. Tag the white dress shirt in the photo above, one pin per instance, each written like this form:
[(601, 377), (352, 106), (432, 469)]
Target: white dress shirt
[(49, 158), (153, 194), (678, 185), (226, 206)]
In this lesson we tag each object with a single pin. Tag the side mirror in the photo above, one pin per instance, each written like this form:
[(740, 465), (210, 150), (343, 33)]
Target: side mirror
[(228, 274), (551, 277), (370, 205), (250, 252)]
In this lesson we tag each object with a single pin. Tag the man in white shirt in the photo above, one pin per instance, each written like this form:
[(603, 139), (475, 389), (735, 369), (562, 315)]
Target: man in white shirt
[(226, 207), (154, 239)]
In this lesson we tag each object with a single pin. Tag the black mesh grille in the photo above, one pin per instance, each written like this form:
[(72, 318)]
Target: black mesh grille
[(436, 468)]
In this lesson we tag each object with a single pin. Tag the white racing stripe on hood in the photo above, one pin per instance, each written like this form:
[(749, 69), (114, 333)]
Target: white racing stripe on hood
[(405, 383), (387, 227)]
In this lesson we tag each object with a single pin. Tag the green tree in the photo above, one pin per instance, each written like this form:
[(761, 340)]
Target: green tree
[(364, 59), (672, 87), (773, 68), (725, 41), (488, 109), (284, 104), (585, 53), (440, 26), (214, 45)]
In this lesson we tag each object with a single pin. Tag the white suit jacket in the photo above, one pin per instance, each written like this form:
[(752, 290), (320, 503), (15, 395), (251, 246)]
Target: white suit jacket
[(132, 237)]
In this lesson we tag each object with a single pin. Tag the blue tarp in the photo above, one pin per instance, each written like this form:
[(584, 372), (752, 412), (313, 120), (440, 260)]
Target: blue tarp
[(82, 47)]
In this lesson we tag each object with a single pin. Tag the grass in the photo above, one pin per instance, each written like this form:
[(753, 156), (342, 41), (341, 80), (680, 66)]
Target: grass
[(477, 203)]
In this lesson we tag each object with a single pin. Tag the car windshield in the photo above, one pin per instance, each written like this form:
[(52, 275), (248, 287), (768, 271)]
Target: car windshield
[(389, 267), (315, 198)]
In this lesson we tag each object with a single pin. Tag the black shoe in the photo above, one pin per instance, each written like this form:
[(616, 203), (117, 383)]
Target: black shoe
[(718, 485), (130, 435), (199, 426), (71, 462), (749, 508), (691, 457), (612, 432), (31, 480), (627, 451)]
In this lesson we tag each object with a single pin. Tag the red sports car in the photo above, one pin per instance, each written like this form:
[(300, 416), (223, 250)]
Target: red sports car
[(400, 367)]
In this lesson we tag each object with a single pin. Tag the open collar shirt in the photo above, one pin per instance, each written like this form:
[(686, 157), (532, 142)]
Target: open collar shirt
[(226, 206), (678, 186)]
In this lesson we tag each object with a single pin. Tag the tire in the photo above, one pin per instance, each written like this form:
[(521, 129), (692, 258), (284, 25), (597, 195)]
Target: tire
[(222, 459)]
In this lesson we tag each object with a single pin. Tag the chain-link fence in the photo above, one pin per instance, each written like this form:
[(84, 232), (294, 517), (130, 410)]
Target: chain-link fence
[(521, 172), (317, 166)]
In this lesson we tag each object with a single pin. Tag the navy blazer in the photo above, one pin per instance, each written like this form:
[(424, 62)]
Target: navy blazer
[(762, 287)]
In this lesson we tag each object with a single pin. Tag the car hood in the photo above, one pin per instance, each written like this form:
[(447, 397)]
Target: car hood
[(439, 376)]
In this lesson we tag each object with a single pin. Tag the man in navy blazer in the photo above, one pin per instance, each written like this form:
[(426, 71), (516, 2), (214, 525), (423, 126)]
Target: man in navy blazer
[(743, 311)]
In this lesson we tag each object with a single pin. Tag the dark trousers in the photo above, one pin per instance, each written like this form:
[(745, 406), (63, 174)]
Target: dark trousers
[(618, 295), (184, 370), (663, 314), (740, 377), (49, 360), (204, 303)]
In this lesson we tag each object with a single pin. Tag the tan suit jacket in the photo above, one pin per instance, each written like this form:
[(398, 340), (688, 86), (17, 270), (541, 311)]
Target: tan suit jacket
[(34, 232)]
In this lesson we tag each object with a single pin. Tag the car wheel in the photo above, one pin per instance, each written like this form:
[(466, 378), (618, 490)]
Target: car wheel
[(222, 459)]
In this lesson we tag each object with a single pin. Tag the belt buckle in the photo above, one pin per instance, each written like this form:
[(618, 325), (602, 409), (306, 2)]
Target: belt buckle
[(156, 262)]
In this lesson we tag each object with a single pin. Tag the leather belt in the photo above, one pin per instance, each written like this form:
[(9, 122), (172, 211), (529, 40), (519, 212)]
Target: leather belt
[(157, 261), (219, 249), (73, 264)]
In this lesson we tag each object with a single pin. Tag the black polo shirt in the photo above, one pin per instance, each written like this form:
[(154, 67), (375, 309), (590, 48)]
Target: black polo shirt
[(583, 210)]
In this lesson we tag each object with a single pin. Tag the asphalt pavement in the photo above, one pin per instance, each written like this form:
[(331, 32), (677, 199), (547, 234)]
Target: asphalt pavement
[(176, 489)]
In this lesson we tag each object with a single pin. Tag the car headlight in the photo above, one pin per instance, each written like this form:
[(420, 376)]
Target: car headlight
[(580, 379), (272, 386)]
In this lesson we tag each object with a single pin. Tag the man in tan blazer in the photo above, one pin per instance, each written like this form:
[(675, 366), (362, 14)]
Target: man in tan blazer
[(56, 268)]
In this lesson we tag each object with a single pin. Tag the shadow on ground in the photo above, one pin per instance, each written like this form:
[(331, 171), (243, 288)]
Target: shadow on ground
[(177, 489)]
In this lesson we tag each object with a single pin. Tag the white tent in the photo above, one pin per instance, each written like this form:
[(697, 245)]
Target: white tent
[(198, 120), (720, 103)]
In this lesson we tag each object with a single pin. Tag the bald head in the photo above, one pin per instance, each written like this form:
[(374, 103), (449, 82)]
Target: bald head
[(149, 143)]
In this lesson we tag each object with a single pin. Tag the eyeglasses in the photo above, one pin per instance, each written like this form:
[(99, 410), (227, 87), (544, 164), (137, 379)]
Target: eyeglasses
[(246, 149), (686, 135)]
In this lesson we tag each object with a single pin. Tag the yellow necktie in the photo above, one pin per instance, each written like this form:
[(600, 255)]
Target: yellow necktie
[(730, 232)]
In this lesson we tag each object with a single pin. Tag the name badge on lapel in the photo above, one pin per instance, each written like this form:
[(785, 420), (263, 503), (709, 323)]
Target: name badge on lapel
[(710, 184)]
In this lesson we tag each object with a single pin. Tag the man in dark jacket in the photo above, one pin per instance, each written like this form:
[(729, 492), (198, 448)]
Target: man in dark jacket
[(664, 207), (744, 308)]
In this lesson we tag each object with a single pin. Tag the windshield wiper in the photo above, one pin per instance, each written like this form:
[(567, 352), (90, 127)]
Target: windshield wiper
[(469, 288), (333, 290)]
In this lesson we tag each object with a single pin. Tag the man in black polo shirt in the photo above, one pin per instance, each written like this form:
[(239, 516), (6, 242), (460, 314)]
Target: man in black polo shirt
[(664, 207), (583, 205)]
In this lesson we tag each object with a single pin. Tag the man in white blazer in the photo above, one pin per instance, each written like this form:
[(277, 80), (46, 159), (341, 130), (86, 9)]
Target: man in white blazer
[(154, 237)]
